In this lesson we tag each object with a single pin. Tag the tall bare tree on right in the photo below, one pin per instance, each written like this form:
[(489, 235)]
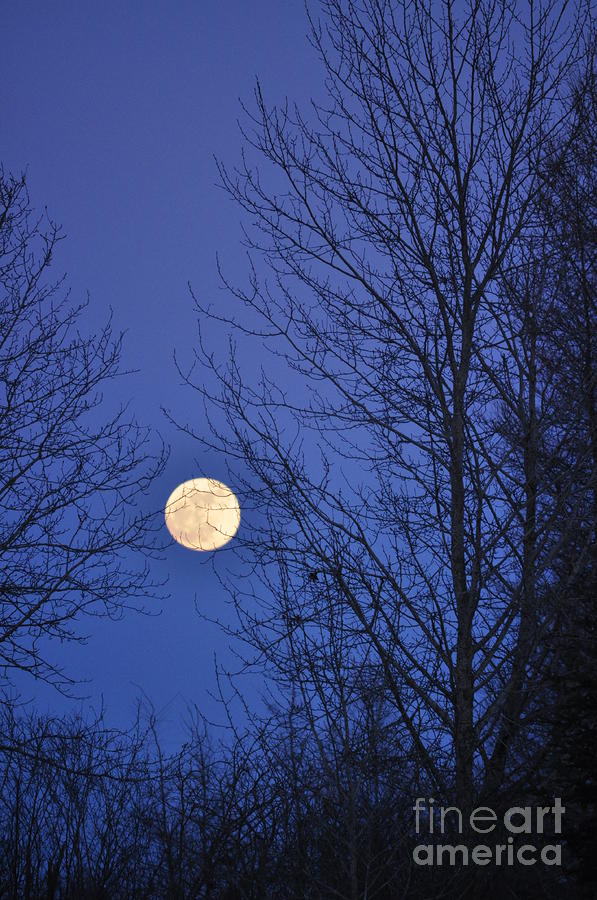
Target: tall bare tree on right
[(386, 233), (569, 700)]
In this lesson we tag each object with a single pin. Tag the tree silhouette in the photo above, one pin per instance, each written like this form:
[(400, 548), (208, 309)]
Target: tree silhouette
[(71, 472), (384, 229)]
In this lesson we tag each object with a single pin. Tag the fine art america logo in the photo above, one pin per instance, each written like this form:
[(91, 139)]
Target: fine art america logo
[(515, 822)]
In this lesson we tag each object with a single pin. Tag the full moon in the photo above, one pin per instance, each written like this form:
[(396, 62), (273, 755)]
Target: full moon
[(202, 514)]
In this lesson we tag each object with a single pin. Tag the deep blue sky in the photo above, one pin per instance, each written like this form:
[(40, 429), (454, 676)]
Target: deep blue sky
[(116, 111)]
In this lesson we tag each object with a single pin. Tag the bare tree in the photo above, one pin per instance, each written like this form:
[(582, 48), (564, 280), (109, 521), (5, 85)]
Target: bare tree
[(568, 703), (376, 476), (72, 473), (72, 793)]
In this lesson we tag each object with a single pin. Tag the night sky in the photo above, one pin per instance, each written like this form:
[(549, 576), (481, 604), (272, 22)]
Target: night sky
[(116, 112)]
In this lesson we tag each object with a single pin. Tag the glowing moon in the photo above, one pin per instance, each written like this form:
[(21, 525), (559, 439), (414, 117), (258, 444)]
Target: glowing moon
[(202, 514)]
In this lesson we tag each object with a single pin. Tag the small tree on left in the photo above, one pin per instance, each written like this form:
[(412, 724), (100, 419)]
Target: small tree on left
[(74, 538)]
